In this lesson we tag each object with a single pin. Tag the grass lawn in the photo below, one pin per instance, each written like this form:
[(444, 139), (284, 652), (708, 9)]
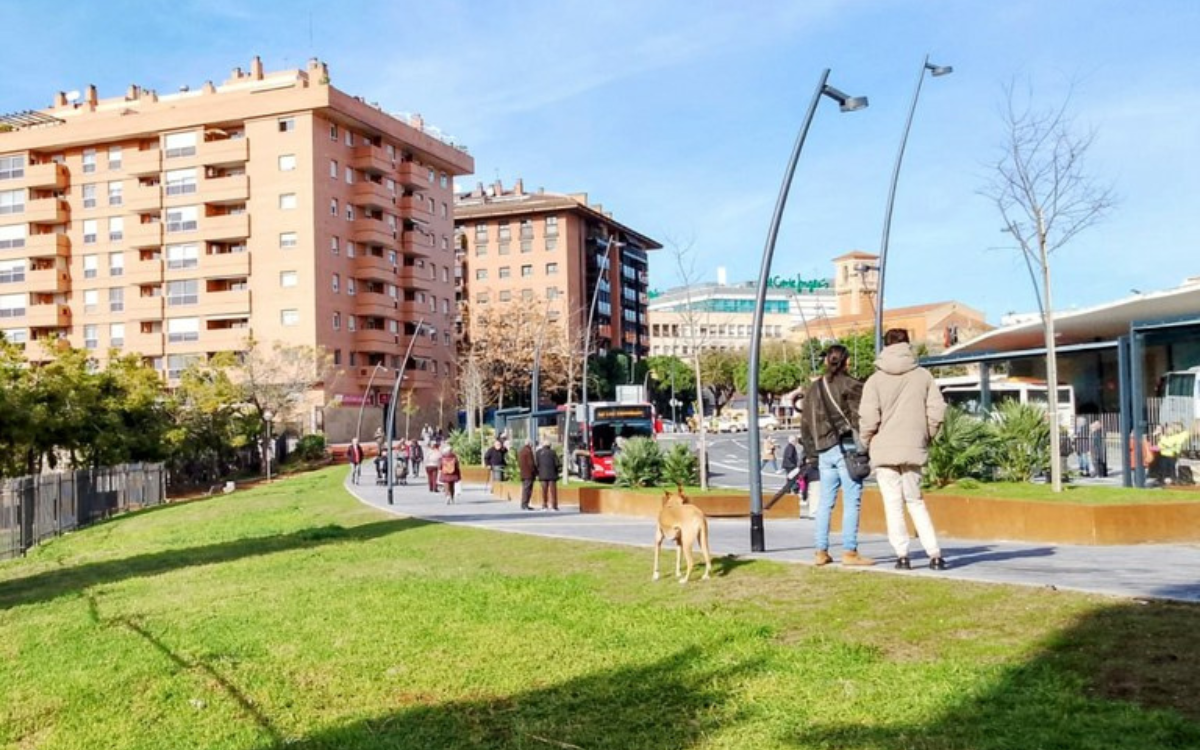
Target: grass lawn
[(291, 615), (1072, 493)]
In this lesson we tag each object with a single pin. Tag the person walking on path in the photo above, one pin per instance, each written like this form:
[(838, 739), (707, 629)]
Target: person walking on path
[(768, 454), (494, 459), (432, 459), (1099, 450), (355, 454), (794, 475), (547, 474), (901, 412), (829, 421), (448, 472), (528, 466), (1082, 446), (416, 458)]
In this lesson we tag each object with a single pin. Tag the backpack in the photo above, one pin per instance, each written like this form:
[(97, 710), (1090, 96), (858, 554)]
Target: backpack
[(449, 465)]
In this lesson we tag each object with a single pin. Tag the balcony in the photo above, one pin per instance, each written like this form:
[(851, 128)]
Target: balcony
[(46, 211), (369, 266), (417, 209), (140, 163), (413, 310), (139, 272), (412, 277), (218, 190), (368, 158), (416, 243), (225, 303), (225, 265), (227, 227), (148, 234), (47, 246), (47, 316), (223, 152), (423, 347), (375, 340), (142, 199), (372, 195), (49, 176), (147, 344), (224, 339), (412, 175), (375, 305), (372, 232), (144, 308), (48, 281)]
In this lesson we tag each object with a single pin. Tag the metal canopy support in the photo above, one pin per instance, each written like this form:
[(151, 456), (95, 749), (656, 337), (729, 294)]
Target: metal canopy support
[(1125, 399), (1137, 404)]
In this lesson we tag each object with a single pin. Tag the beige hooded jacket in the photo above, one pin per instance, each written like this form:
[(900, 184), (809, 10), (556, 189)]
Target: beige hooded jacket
[(901, 409)]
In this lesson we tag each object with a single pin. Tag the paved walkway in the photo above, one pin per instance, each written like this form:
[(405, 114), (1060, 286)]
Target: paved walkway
[(1170, 571)]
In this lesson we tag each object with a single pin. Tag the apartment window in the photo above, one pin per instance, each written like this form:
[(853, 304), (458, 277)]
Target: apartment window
[(552, 292), (336, 281), (445, 306), (551, 269), (526, 294), (116, 228), (91, 338), (481, 298), (287, 124), (505, 248), (445, 210), (351, 287), (13, 235), (333, 132), (12, 167), (337, 321), (181, 181), (480, 274), (116, 264), (526, 271), (349, 212), (287, 201), (505, 232), (289, 317), (349, 138), (352, 358), (445, 242), (90, 228), (432, 175), (182, 219), (351, 249), (12, 271), (91, 300), (176, 145), (551, 244), (89, 196), (116, 299), (116, 192), (335, 246), (89, 160), (181, 293), (177, 363), (337, 356), (333, 169), (12, 305), (445, 180), (333, 207), (182, 256), (481, 233), (526, 229), (432, 205), (116, 334), (287, 162), (505, 296), (351, 325), (183, 329), (480, 251), (90, 266), (551, 226), (114, 158), (287, 240), (505, 272), (527, 246), (445, 274), (287, 279), (349, 176)]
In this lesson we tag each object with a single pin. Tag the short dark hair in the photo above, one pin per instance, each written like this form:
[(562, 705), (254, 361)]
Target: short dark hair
[(895, 336)]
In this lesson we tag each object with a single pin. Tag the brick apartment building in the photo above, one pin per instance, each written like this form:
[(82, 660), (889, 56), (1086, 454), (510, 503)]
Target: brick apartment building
[(516, 246), (272, 204)]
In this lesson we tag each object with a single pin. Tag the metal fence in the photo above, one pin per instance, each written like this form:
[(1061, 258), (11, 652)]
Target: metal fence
[(36, 508)]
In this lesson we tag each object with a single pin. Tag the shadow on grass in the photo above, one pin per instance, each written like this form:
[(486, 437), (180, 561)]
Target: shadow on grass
[(1125, 677), (54, 583), (672, 703)]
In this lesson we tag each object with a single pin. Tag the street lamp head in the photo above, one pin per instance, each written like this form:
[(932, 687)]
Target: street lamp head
[(939, 70), (845, 102)]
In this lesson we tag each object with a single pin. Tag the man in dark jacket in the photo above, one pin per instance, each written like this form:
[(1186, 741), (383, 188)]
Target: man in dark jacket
[(547, 473), (793, 471), (830, 415), (528, 467), (494, 459)]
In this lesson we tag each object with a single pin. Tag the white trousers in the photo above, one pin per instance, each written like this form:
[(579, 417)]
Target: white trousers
[(901, 487)]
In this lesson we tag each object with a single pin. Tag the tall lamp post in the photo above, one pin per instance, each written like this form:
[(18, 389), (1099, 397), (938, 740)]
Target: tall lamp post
[(935, 71), (391, 410), (587, 332), (362, 404), (846, 104), (268, 416)]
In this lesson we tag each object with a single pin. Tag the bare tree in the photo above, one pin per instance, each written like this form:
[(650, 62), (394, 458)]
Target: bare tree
[(694, 322), (1045, 198)]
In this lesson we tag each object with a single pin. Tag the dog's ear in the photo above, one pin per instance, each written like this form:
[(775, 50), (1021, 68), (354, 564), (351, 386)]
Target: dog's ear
[(666, 497)]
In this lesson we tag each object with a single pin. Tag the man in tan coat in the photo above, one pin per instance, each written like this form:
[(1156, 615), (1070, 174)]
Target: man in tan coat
[(900, 412)]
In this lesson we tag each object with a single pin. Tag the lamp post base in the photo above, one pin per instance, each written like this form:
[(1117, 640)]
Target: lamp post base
[(758, 541)]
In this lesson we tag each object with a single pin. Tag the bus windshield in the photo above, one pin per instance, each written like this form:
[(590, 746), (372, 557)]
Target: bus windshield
[(605, 434)]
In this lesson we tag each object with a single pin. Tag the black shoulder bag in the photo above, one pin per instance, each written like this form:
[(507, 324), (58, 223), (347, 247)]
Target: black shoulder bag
[(858, 463)]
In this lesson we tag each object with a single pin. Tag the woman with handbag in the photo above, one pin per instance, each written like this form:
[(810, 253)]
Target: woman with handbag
[(828, 432)]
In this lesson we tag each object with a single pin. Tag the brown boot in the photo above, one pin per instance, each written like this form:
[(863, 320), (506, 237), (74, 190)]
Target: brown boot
[(853, 558), (822, 558)]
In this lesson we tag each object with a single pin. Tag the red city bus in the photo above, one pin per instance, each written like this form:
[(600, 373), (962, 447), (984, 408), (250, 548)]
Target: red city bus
[(609, 422)]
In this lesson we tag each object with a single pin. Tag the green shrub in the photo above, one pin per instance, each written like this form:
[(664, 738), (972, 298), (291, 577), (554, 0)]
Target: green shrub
[(639, 463), (680, 466), (310, 447), (1022, 442), (468, 447), (965, 447)]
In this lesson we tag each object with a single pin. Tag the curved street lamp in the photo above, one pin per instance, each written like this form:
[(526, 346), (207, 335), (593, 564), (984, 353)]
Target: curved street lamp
[(935, 71), (391, 410), (846, 104), (362, 404)]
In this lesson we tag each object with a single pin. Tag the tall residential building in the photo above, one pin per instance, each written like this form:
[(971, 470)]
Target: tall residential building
[(518, 247), (273, 204)]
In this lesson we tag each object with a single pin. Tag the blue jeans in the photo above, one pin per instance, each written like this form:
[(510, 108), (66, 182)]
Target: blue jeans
[(832, 465)]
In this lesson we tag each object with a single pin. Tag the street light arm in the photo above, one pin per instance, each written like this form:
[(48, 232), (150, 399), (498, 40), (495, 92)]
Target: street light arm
[(391, 410)]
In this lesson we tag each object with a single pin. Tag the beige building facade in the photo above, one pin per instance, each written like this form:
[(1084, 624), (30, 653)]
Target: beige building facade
[(272, 205)]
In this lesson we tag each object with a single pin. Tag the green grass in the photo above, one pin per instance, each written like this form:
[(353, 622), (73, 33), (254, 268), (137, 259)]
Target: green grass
[(1080, 494), (290, 615)]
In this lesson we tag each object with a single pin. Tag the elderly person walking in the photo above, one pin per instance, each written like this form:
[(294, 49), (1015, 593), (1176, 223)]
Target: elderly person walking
[(548, 468), (528, 466), (901, 411)]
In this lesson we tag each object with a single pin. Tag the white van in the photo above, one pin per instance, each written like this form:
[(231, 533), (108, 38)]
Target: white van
[(964, 393), (1181, 398)]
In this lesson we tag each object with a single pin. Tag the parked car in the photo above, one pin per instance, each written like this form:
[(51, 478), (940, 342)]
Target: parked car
[(768, 422)]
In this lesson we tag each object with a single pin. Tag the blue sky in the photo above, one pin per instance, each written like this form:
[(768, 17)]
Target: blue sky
[(679, 116)]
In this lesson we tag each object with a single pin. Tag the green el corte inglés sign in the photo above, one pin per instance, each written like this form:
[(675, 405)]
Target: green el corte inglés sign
[(800, 284)]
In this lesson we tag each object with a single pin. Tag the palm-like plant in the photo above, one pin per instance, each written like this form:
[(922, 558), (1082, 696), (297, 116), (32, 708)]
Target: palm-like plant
[(680, 466), (965, 447), (639, 463), (1022, 442)]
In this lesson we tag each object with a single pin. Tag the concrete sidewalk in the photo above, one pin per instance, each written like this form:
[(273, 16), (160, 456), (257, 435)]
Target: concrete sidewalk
[(1169, 571)]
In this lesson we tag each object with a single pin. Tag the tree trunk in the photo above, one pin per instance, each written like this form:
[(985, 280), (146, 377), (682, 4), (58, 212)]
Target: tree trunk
[(1051, 361)]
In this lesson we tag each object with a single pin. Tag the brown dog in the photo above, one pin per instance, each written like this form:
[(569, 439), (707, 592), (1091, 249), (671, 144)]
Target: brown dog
[(686, 524)]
